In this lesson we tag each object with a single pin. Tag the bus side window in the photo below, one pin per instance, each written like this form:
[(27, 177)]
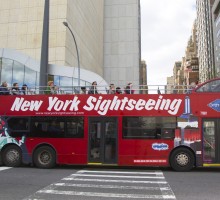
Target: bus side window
[(55, 129), (18, 126), (158, 132), (74, 130), (216, 88), (44, 126), (167, 133)]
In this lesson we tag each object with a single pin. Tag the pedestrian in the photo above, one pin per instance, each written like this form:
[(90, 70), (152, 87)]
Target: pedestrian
[(93, 88), (4, 89), (15, 89)]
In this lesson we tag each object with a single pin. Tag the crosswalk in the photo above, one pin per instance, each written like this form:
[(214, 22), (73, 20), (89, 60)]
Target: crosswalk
[(108, 184), (4, 168)]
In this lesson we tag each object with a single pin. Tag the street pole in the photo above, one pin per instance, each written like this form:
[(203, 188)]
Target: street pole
[(44, 50), (66, 24)]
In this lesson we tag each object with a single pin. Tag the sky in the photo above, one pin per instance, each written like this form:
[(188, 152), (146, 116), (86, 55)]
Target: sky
[(165, 30)]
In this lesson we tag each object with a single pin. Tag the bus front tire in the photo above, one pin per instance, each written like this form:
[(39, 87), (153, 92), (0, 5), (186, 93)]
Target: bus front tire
[(45, 157), (12, 156), (182, 160)]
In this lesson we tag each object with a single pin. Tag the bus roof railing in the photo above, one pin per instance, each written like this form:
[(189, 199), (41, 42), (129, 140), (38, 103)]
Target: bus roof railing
[(103, 89)]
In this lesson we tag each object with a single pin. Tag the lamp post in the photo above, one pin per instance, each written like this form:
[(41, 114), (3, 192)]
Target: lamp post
[(66, 24)]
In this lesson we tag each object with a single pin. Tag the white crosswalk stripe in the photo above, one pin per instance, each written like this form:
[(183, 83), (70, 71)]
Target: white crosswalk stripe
[(103, 184), (4, 168)]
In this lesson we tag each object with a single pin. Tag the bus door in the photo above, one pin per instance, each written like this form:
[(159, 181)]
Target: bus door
[(102, 140), (211, 141)]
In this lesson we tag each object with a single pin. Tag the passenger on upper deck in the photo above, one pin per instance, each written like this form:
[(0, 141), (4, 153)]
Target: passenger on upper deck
[(4, 89), (128, 89), (51, 89), (111, 89), (83, 90), (15, 89), (118, 90), (93, 88), (24, 89)]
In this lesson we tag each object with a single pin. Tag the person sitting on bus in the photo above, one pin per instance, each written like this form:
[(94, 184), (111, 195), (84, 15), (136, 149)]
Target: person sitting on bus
[(83, 90), (128, 89), (15, 89), (118, 90), (111, 89), (93, 88), (4, 89), (24, 89), (51, 89)]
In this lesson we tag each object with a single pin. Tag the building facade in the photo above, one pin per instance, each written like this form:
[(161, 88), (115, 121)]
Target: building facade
[(205, 40), (178, 76), (191, 64), (22, 25), (16, 67), (107, 38), (216, 35), (176, 73), (143, 78), (122, 55), (186, 72), (170, 85)]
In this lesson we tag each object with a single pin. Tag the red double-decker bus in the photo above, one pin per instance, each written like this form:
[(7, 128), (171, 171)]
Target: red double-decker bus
[(177, 130)]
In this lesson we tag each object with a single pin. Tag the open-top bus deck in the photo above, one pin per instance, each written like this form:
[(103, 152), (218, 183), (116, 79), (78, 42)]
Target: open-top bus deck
[(177, 130)]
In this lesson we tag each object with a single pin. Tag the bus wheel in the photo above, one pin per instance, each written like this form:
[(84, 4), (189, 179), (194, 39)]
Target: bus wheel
[(45, 157), (12, 156), (182, 160)]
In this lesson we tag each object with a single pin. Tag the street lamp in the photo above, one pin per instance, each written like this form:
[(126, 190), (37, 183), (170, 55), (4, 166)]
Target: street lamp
[(66, 24)]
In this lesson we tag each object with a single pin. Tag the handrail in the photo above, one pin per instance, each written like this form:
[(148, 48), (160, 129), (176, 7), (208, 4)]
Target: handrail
[(103, 89)]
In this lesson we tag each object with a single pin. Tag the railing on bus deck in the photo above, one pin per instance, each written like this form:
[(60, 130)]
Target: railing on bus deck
[(103, 89)]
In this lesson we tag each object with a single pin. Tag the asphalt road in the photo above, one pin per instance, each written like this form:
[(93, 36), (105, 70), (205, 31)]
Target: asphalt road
[(76, 183), (198, 184)]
